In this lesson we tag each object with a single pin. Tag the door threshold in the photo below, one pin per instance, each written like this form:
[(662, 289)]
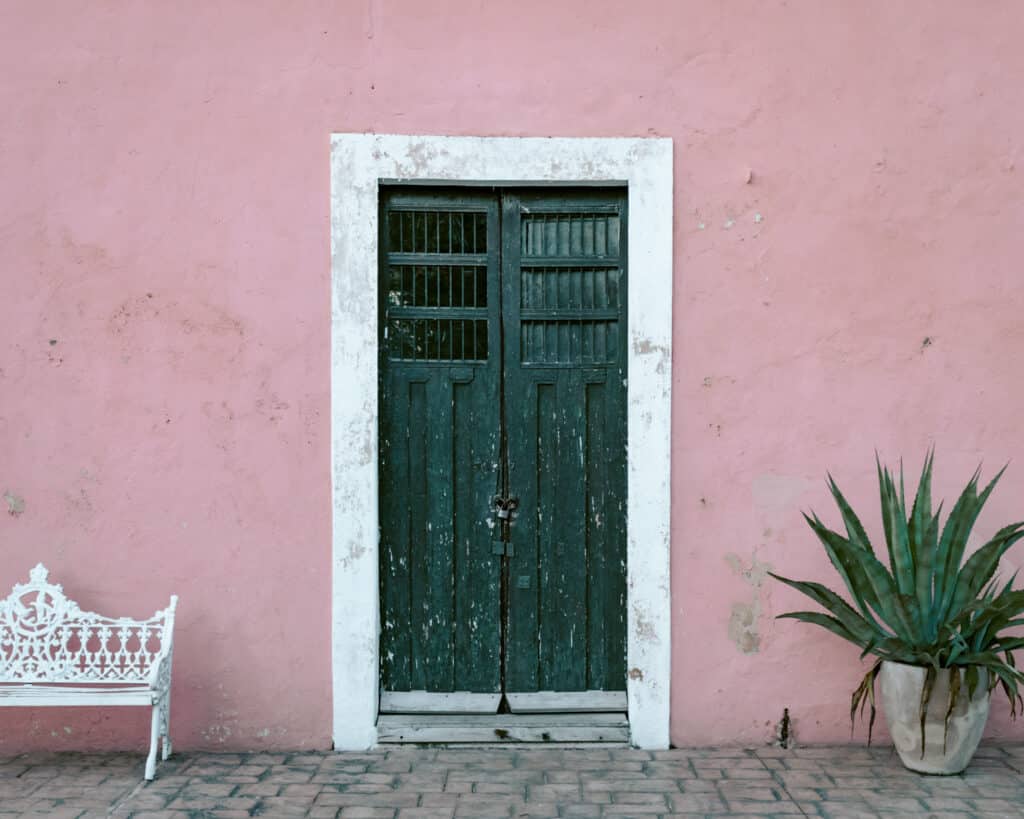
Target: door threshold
[(503, 729)]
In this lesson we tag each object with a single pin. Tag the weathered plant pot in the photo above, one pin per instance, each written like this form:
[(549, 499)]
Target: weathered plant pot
[(901, 704)]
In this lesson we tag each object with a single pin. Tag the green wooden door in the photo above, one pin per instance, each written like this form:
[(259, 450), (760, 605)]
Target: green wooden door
[(503, 377)]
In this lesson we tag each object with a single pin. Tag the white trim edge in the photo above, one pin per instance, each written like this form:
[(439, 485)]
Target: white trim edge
[(358, 163)]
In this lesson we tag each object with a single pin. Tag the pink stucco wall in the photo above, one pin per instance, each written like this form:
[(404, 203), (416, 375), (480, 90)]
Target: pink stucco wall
[(849, 224)]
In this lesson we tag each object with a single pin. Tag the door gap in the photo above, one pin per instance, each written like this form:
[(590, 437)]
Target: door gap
[(503, 460)]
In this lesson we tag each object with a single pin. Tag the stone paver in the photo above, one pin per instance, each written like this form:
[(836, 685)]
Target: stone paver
[(520, 782)]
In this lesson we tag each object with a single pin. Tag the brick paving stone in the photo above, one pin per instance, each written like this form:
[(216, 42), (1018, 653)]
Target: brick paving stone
[(421, 781), (563, 777), (946, 803), (1000, 806), (743, 816), (261, 789), (667, 785), (200, 789), (556, 792), (778, 809), (737, 790), (208, 803), (536, 811), (803, 779), (439, 800), (891, 802), (698, 786), (666, 769), (483, 810), (601, 776), (796, 763), (639, 798), (943, 814), (286, 806), (581, 810), (749, 774), (696, 803), (844, 794), (510, 788), (845, 810), (371, 800)]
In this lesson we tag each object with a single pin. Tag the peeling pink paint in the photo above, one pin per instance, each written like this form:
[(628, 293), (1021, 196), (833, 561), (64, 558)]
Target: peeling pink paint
[(848, 244)]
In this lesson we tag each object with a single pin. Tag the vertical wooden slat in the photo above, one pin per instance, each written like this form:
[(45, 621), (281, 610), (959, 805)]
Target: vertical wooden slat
[(547, 542), (419, 566), (599, 555), (438, 590), (615, 445), (396, 617), (476, 597), (567, 606), (613, 614), (526, 476)]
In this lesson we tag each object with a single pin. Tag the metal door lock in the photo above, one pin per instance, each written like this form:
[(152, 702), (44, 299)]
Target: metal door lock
[(505, 506)]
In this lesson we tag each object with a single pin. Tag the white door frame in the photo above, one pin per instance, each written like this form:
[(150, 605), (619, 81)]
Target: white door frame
[(359, 162)]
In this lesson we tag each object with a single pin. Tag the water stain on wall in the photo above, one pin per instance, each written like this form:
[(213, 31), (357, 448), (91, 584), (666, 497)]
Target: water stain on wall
[(15, 504), (745, 615)]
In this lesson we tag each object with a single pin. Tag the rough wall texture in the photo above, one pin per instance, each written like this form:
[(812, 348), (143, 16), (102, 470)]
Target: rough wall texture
[(849, 224)]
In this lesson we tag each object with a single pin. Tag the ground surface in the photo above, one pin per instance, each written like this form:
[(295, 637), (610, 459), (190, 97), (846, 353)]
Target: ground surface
[(402, 783)]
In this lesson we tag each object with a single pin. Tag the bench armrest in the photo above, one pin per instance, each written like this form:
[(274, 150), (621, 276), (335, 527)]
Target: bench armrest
[(160, 673)]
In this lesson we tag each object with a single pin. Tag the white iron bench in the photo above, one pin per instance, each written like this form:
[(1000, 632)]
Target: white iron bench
[(53, 653)]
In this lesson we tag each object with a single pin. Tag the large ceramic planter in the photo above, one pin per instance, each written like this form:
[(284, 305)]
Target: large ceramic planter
[(901, 703)]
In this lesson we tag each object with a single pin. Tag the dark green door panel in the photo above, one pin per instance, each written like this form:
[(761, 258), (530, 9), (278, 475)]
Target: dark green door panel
[(563, 267), (503, 368), (439, 443)]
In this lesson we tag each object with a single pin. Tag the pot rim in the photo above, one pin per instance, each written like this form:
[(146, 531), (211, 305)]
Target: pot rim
[(941, 668)]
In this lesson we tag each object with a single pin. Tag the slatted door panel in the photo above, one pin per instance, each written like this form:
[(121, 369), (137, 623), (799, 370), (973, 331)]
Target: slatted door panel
[(564, 289), (439, 443)]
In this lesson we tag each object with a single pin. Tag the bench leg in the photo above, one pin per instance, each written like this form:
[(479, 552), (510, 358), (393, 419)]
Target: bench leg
[(165, 725), (154, 735)]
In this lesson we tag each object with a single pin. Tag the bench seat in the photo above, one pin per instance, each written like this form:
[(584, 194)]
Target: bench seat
[(72, 695)]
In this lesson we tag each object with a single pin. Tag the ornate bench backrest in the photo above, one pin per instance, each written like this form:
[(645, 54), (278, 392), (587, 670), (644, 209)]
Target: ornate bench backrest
[(44, 637)]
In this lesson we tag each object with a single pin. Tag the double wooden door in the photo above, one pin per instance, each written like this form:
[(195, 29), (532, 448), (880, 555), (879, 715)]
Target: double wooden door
[(502, 442)]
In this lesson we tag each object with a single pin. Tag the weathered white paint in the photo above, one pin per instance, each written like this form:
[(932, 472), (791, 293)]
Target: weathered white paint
[(131, 664), (358, 163), (423, 702), (567, 702), (449, 728)]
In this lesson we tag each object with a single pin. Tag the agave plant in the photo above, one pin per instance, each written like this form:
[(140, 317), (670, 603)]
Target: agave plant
[(926, 609)]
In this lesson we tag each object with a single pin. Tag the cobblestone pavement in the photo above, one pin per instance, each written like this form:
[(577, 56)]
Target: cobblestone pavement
[(403, 783)]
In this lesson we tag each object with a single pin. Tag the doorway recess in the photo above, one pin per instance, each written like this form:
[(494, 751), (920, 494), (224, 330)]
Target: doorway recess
[(503, 463), (360, 165)]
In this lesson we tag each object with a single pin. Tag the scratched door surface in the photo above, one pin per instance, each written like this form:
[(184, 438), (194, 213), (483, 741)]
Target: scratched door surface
[(502, 377), (439, 442), (564, 299)]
